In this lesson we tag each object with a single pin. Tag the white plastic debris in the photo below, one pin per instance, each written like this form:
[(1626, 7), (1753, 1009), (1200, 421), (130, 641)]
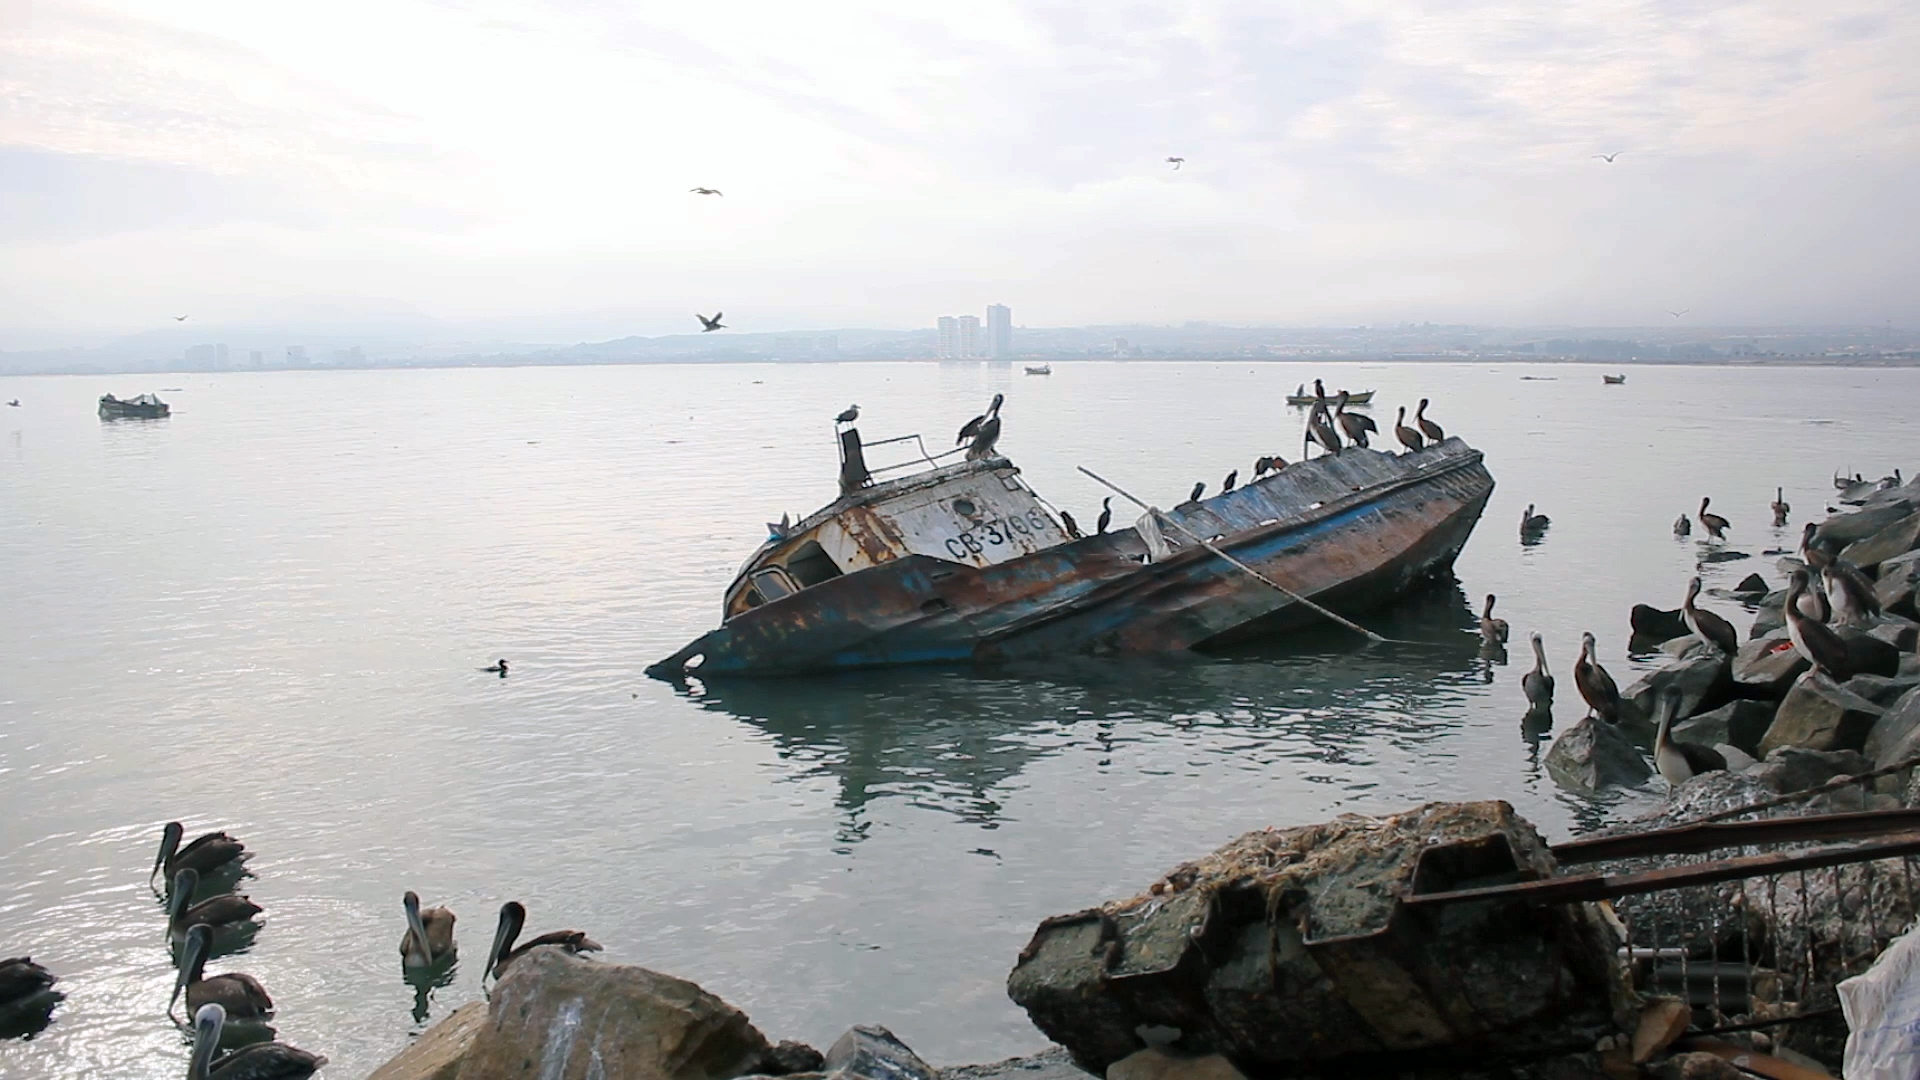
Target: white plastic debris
[(1882, 1007), (1149, 526)]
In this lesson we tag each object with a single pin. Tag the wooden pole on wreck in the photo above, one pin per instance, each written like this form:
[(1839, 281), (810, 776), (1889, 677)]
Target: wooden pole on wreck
[(1208, 544)]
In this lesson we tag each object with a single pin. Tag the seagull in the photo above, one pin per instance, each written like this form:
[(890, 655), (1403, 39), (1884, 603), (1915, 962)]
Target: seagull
[(1176, 162), (851, 414), (179, 318), (704, 191), (1677, 314), (707, 324), (1608, 158)]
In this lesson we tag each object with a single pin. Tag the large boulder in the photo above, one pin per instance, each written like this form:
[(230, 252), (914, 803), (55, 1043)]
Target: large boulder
[(1902, 634), (438, 1052), (1704, 682), (1881, 690), (1895, 737), (1766, 666), (1895, 587), (1793, 768), (1896, 539), (1290, 950), (1740, 723), (1840, 531), (1592, 755), (871, 1052), (1820, 714), (1752, 588), (1869, 654), (556, 1016), (1653, 625), (1682, 648)]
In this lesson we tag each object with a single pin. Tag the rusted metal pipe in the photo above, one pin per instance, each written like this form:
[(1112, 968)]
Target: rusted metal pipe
[(1701, 836)]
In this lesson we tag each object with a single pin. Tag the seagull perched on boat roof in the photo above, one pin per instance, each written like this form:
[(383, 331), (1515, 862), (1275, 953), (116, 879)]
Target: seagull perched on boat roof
[(848, 415)]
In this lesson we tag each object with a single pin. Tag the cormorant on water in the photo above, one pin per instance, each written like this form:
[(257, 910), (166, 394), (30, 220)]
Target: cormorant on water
[(848, 416), (972, 427), (499, 669), (1106, 515), (1492, 630)]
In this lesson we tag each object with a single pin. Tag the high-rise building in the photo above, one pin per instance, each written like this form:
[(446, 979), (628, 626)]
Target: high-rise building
[(257, 358), (297, 355), (967, 338), (999, 331), (949, 338), (207, 357)]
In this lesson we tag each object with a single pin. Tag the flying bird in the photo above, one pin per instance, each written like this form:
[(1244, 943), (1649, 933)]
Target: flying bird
[(707, 324), (179, 318), (1608, 158), (1176, 162), (704, 191), (1677, 314)]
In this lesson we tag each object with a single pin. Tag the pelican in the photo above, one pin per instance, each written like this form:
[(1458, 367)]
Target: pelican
[(498, 667), (1319, 422), (260, 1061), (428, 939), (1816, 640), (1715, 525), (21, 980), (1492, 630), (1198, 489), (1427, 427), (211, 851), (1682, 525), (972, 427), (1608, 158), (984, 439), (1353, 425), (1409, 437), (1680, 761), (1707, 626), (1538, 683), (1812, 554), (1813, 604), (1106, 515), (1073, 527), (1677, 314), (1850, 594), (848, 415), (1532, 524), (707, 325), (1232, 479), (1595, 685), (1780, 507), (227, 909), (512, 917), (241, 996)]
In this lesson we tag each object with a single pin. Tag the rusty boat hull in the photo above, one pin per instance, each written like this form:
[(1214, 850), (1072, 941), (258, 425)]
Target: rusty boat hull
[(1353, 531)]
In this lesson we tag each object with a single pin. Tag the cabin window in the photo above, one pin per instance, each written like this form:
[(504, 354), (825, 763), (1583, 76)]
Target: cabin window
[(965, 508), (810, 565), (772, 585)]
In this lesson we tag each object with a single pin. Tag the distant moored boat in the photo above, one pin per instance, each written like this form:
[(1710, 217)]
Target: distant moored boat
[(1613, 380), (145, 407), (1043, 369), (1362, 398)]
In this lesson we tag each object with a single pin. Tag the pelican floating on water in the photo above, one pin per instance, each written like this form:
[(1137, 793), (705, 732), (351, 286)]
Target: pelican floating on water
[(1492, 630), (1817, 641), (241, 996), (227, 909), (21, 980), (428, 939), (1409, 437), (1682, 525), (1707, 626), (1680, 761), (260, 1061), (513, 916), (1538, 683), (1532, 524), (1427, 427), (1595, 685), (209, 852), (1780, 507), (1715, 525)]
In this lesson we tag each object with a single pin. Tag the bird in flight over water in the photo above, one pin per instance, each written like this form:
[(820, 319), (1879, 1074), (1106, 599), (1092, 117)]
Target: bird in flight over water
[(1608, 158), (1176, 162), (706, 191), (707, 324), (179, 318), (1677, 314)]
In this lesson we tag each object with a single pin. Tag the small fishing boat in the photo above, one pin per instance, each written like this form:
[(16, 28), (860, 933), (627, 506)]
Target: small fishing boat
[(1301, 397), (144, 407), (1043, 369), (1613, 380), (964, 563)]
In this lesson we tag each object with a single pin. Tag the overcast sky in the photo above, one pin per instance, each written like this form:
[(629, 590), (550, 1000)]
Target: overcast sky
[(527, 163)]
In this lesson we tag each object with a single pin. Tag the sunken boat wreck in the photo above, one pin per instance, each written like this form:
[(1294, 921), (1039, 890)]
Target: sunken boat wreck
[(964, 563)]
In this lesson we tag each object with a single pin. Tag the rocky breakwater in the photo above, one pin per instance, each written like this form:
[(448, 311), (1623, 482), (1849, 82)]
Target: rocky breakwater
[(1288, 953)]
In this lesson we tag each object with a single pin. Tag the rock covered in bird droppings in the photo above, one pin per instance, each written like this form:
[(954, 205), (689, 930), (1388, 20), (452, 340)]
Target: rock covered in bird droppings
[(1881, 690), (1703, 680), (1820, 714), (871, 1052), (1592, 755), (1840, 531), (1767, 666)]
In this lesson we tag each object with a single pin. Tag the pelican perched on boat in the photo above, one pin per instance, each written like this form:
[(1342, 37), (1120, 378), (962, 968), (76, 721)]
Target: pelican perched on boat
[(259, 1061), (227, 909), (21, 980), (1493, 631), (984, 439), (972, 427), (1106, 515), (1532, 524), (1352, 425), (1707, 626), (241, 996), (1816, 641), (1595, 685), (513, 916), (1780, 507), (1680, 761), (1682, 525), (428, 939), (1409, 437), (1715, 525), (209, 852), (1850, 593), (1538, 683), (1427, 427), (1320, 427)]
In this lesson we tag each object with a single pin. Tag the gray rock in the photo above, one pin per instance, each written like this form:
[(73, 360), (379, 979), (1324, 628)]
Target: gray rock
[(1724, 555), (1900, 566), (1820, 714), (579, 1019), (1840, 531), (1753, 585), (1593, 755), (1741, 723), (1654, 624), (1896, 735), (1681, 648), (1902, 634), (1766, 621), (1153, 1064), (871, 1052), (1868, 654), (1896, 539), (1793, 768), (789, 1058), (1704, 682), (1880, 689), (437, 1053), (1767, 666)]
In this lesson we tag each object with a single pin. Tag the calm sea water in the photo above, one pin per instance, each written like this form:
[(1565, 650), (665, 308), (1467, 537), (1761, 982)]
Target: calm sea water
[(266, 614)]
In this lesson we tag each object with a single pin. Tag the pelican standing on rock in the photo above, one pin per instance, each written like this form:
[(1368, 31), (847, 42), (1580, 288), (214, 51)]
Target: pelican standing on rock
[(428, 939), (260, 1061), (1409, 437), (1538, 683), (1780, 507), (227, 909), (1493, 631), (1715, 525), (1707, 626), (1595, 685), (211, 851), (1106, 515), (1532, 524), (513, 916), (1427, 427), (1811, 553), (1353, 425), (1852, 596), (1680, 761), (241, 996), (1816, 640)]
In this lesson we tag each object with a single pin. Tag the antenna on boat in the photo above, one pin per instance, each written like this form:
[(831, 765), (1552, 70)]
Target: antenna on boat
[(1208, 544)]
